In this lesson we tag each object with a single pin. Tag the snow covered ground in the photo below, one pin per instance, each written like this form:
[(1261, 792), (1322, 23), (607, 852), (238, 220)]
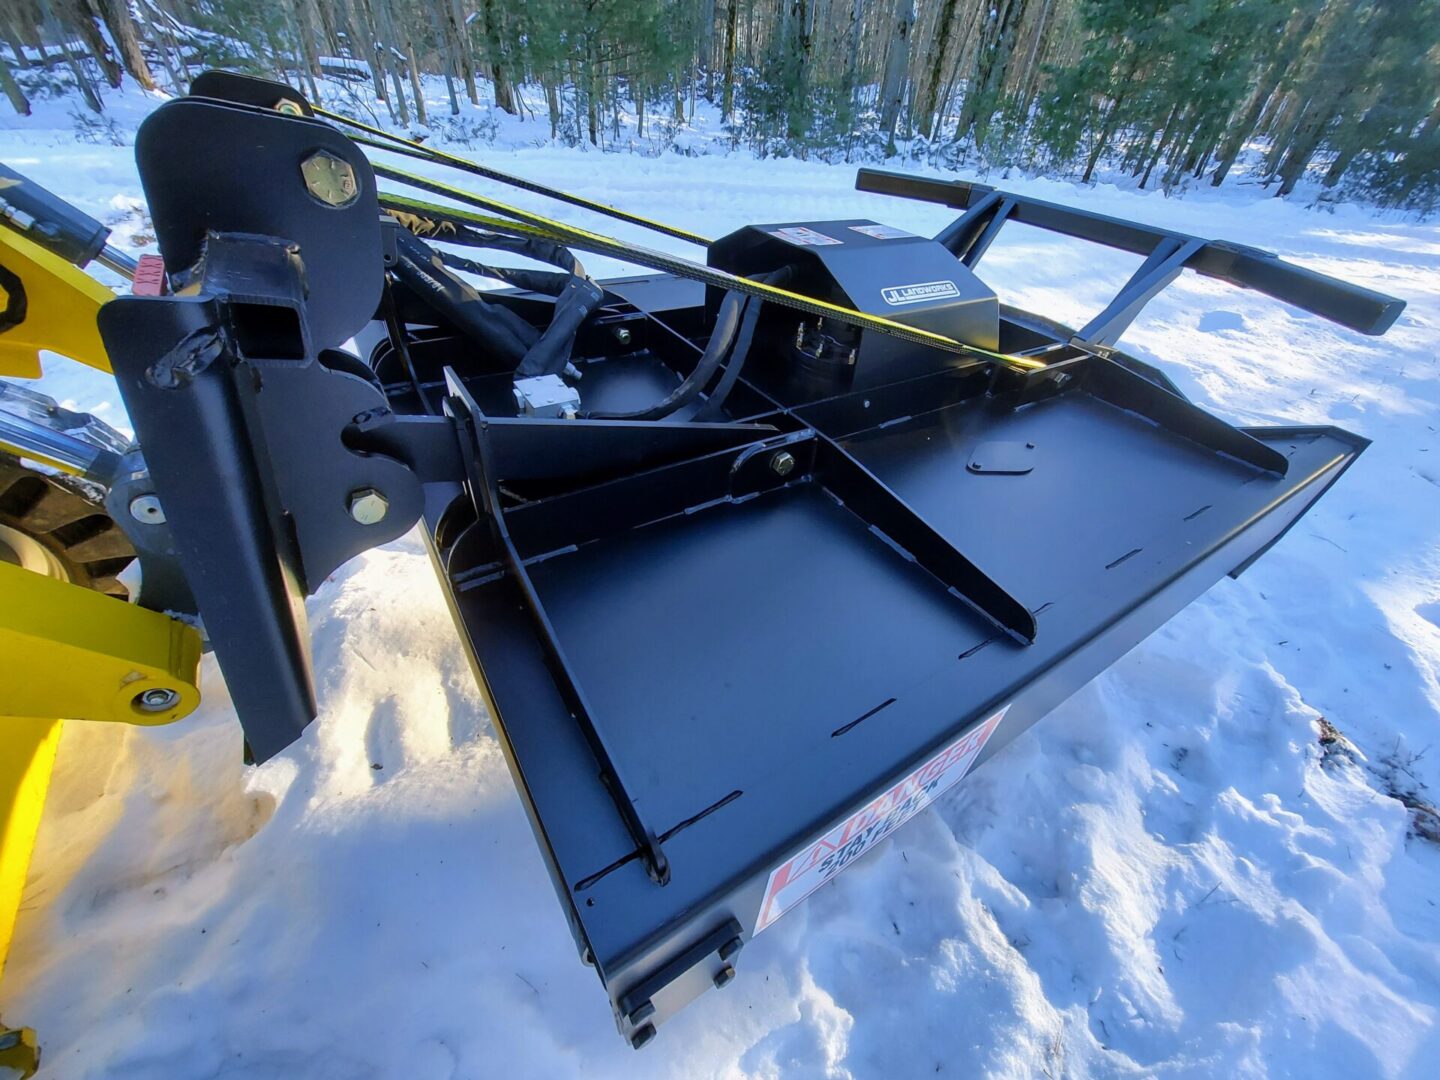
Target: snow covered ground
[(1170, 875)]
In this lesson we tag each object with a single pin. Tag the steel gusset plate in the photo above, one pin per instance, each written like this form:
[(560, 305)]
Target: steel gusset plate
[(251, 179), (248, 461)]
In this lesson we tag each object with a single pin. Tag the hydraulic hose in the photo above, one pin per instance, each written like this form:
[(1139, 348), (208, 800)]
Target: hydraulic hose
[(750, 317), (492, 325), (495, 328), (727, 322)]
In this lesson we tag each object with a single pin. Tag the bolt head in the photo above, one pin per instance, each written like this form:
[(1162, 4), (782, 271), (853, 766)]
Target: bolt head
[(368, 506), (622, 335), (157, 699), (147, 510), (330, 179), (782, 464)]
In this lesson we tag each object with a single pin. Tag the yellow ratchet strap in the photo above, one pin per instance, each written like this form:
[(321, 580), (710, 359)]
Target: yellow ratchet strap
[(410, 148), (428, 219)]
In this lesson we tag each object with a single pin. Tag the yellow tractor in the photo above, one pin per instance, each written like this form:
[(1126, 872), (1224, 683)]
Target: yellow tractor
[(71, 647)]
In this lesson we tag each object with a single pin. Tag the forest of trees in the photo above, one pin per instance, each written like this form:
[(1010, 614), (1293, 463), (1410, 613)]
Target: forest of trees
[(1346, 92)]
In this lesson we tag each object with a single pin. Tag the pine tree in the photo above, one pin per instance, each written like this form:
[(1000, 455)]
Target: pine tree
[(1340, 91)]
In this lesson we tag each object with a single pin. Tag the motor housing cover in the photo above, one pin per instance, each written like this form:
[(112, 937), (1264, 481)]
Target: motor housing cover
[(874, 268)]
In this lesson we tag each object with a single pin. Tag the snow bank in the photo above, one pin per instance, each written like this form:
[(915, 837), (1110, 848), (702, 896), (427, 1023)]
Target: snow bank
[(1168, 876)]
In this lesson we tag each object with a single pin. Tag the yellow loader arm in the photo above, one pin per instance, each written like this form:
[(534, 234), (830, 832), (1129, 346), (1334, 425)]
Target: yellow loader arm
[(72, 652), (66, 651), (55, 304)]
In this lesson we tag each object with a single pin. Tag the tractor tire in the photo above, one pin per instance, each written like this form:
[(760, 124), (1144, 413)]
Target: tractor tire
[(58, 525)]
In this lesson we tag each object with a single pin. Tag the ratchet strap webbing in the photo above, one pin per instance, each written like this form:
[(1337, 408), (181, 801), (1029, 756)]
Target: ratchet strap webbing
[(430, 220), (383, 140)]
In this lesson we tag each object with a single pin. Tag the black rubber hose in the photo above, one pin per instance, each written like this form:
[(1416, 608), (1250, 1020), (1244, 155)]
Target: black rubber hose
[(749, 317), (576, 296), (548, 282), (727, 322), (497, 329), (573, 306), (711, 410)]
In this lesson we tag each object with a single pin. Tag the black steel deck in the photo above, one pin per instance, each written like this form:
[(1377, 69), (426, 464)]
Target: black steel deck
[(762, 662)]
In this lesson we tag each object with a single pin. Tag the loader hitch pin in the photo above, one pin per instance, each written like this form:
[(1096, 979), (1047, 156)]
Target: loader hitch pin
[(147, 510), (157, 699)]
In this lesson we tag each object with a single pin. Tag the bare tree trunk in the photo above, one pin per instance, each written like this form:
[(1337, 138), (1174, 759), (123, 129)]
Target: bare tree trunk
[(77, 69), (306, 16), (592, 90), (1306, 135), (79, 16), (308, 65), (7, 31), (1163, 140), (705, 53), (1027, 84), (116, 14), (447, 56), (732, 19), (450, 92), (12, 90), (386, 47), (325, 11), (1266, 85), (1240, 130), (552, 103), (992, 63), (460, 29), (29, 33), (1343, 159), (1303, 144), (929, 91), (364, 40), (415, 88), (504, 90), (799, 33), (397, 89), (162, 33), (964, 55), (1102, 140), (852, 37), (897, 64)]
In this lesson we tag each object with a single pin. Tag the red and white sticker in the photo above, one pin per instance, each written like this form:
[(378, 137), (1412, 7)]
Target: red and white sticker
[(843, 843), (799, 234)]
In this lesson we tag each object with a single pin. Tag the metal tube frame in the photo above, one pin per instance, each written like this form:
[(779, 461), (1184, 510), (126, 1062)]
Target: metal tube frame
[(1166, 252)]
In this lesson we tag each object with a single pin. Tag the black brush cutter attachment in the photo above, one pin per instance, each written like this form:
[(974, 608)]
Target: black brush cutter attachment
[(772, 554)]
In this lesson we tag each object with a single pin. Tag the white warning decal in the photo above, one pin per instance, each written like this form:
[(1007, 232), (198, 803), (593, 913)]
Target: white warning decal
[(824, 858), (881, 232), (896, 295), (799, 234)]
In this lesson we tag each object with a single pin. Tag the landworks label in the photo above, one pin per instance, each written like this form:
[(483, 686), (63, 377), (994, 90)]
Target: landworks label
[(843, 843), (896, 295)]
